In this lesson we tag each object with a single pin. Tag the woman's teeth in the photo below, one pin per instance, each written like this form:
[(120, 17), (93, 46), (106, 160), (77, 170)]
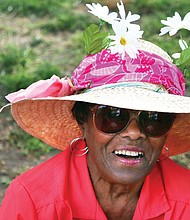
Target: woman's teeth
[(129, 154)]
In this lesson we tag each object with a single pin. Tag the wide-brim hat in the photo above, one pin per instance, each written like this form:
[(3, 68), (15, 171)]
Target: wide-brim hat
[(149, 82)]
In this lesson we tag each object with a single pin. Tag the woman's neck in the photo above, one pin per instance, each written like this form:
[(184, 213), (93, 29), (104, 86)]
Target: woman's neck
[(118, 201)]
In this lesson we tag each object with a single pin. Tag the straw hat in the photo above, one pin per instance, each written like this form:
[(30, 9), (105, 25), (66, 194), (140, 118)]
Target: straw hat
[(148, 82)]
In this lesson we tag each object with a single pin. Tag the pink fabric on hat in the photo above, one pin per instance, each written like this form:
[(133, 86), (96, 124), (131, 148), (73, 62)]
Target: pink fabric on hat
[(106, 68), (54, 87)]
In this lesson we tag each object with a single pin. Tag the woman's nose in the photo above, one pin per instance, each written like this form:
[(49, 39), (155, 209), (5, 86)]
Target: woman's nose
[(132, 131)]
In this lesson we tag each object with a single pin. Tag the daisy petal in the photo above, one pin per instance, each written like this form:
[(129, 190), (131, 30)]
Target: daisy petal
[(183, 44), (164, 30), (186, 21), (102, 12), (176, 55)]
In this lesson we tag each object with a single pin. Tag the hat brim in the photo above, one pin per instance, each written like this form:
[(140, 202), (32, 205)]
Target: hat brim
[(51, 120), (136, 98)]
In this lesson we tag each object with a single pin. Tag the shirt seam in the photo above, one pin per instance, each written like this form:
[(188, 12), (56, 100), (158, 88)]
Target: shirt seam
[(184, 202), (25, 189), (40, 207)]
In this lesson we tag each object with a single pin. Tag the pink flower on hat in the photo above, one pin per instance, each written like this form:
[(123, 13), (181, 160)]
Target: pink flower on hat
[(53, 87)]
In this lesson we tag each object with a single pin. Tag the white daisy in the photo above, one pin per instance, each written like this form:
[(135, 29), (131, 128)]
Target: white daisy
[(186, 21), (121, 10), (102, 12), (125, 40), (175, 23), (129, 18)]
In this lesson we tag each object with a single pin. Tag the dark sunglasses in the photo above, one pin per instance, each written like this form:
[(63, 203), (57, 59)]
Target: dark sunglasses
[(112, 120)]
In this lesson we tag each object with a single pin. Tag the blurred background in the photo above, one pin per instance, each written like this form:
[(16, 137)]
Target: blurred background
[(39, 38)]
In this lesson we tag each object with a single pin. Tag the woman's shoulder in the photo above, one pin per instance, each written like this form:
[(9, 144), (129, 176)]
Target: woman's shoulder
[(172, 169), (176, 180), (48, 183), (46, 169), (48, 179)]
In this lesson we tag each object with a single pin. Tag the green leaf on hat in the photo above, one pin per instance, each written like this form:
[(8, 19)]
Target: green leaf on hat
[(184, 62), (95, 41)]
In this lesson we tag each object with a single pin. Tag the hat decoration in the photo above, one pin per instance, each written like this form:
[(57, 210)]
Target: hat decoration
[(173, 25), (119, 66), (125, 35), (123, 38)]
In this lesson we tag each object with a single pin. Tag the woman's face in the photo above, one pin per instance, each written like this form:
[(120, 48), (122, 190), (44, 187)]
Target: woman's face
[(123, 158)]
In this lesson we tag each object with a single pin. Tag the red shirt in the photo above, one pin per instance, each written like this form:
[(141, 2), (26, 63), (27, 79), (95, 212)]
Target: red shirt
[(60, 189)]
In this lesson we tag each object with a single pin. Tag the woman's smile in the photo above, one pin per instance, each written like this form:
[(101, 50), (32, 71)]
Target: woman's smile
[(128, 156), (125, 157)]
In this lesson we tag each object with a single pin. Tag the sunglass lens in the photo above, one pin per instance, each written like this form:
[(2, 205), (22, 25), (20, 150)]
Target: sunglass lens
[(111, 119), (155, 124)]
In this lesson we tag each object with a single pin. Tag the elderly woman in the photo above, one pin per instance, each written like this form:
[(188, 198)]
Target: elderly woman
[(117, 120)]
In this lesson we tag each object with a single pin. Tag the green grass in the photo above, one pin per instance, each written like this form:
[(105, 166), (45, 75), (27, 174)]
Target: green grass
[(68, 21), (35, 7), (28, 144), (12, 57), (166, 7), (19, 69), (6, 180)]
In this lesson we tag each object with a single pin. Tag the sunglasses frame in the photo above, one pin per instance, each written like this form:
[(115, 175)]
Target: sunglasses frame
[(134, 114)]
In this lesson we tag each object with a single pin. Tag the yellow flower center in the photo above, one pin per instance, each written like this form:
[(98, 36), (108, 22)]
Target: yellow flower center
[(123, 41)]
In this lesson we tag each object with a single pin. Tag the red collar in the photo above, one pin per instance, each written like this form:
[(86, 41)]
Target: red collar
[(153, 201)]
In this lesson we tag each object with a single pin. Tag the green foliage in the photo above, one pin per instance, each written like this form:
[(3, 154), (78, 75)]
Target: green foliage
[(13, 57), (184, 62), (20, 80), (156, 7), (67, 21), (17, 69), (6, 180), (34, 7), (28, 144), (73, 21), (35, 42), (46, 70), (75, 52), (94, 39), (13, 82)]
